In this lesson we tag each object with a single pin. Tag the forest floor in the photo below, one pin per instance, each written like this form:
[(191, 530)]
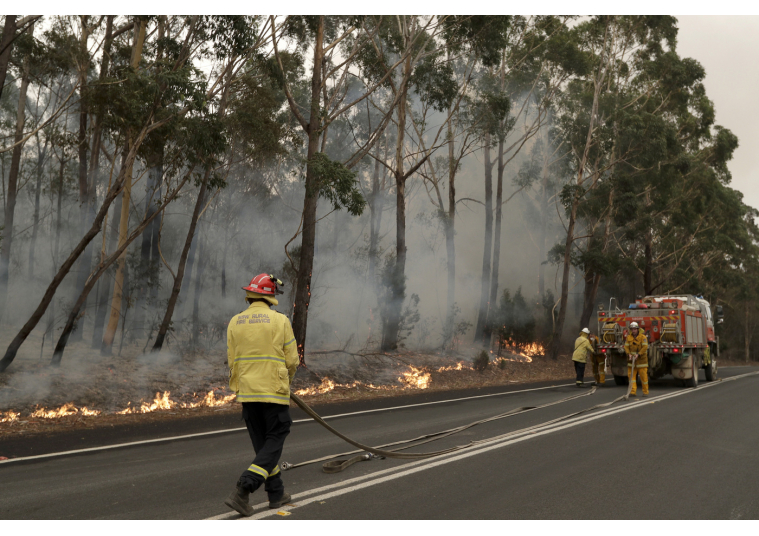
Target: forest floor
[(90, 391)]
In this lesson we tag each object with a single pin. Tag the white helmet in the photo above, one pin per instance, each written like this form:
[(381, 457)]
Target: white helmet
[(586, 330), (633, 325)]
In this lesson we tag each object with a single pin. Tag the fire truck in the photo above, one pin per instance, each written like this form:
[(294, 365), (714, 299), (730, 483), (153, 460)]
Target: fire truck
[(680, 332)]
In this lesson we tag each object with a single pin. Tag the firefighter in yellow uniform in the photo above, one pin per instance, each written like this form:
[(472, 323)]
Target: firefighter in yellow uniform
[(262, 356), (599, 362), (583, 349), (636, 344)]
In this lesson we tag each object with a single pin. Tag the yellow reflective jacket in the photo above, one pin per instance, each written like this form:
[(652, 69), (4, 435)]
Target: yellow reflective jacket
[(638, 345), (262, 355), (583, 349)]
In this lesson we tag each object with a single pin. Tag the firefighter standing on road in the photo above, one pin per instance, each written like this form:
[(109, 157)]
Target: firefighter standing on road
[(636, 344), (262, 356), (583, 349), (599, 362)]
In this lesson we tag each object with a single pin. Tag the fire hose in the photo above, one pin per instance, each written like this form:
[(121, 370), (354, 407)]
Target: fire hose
[(332, 465)]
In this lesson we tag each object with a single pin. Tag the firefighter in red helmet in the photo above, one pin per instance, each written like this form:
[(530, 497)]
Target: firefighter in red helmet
[(262, 356)]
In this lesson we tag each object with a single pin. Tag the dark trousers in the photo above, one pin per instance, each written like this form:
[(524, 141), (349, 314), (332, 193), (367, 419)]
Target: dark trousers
[(580, 370), (268, 425)]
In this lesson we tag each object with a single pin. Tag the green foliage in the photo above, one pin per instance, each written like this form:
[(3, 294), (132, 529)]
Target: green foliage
[(485, 36), (481, 361), (434, 82), (337, 183)]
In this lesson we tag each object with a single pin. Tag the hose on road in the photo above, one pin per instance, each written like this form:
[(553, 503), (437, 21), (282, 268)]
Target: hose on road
[(335, 466)]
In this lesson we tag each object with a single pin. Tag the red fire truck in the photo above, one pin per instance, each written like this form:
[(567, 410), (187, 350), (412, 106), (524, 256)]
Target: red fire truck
[(680, 331)]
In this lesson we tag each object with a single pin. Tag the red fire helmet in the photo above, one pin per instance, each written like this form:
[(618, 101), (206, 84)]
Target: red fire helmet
[(265, 284)]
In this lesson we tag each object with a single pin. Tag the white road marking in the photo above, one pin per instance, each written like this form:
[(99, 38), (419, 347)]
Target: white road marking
[(201, 434), (415, 467)]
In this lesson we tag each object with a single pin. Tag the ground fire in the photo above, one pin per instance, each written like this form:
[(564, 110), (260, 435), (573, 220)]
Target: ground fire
[(413, 378)]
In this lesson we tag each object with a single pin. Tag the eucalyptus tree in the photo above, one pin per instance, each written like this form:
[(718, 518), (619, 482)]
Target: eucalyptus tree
[(360, 39), (610, 116), (13, 175), (139, 117)]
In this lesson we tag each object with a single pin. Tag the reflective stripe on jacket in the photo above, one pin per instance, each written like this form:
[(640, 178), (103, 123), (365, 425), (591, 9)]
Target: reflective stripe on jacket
[(638, 345), (583, 349), (262, 355)]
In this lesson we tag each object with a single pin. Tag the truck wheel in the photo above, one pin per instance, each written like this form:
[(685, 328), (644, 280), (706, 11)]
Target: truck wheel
[(710, 371), (621, 380), (693, 381)]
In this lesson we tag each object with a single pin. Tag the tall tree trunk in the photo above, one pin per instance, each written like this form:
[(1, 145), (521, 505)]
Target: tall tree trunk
[(85, 205), (592, 282), (104, 288), (398, 279), (374, 209), (485, 277), (10, 206), (398, 283), (559, 326), (542, 237), (308, 240), (145, 276), (36, 220), (184, 291), (92, 175), (224, 263), (588, 296), (83, 270), (450, 244), (747, 333), (496, 234), (202, 261), (165, 324), (50, 331), (9, 32), (113, 320)]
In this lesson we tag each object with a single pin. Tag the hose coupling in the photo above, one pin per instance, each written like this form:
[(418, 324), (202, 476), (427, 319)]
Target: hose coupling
[(285, 466)]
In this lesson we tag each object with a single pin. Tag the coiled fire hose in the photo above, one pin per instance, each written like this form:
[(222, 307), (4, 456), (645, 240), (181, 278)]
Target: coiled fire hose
[(335, 466)]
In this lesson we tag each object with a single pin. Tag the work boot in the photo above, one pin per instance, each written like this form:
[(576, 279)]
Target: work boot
[(238, 500), (281, 502)]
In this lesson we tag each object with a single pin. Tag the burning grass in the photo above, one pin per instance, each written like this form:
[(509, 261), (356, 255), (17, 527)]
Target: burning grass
[(331, 379)]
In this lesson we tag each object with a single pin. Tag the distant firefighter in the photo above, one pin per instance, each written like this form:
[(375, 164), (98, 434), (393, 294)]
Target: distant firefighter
[(583, 349), (262, 356), (636, 348)]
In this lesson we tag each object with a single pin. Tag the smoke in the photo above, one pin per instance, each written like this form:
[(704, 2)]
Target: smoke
[(242, 232)]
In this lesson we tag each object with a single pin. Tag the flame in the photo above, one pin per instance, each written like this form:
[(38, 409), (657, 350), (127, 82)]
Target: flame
[(9, 416), (325, 386), (162, 401), (64, 411), (416, 378), (459, 366), (524, 354)]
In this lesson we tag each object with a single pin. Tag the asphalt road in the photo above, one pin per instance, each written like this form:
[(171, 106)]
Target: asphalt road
[(678, 454)]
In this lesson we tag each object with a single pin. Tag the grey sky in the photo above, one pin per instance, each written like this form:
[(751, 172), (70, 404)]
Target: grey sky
[(728, 48)]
